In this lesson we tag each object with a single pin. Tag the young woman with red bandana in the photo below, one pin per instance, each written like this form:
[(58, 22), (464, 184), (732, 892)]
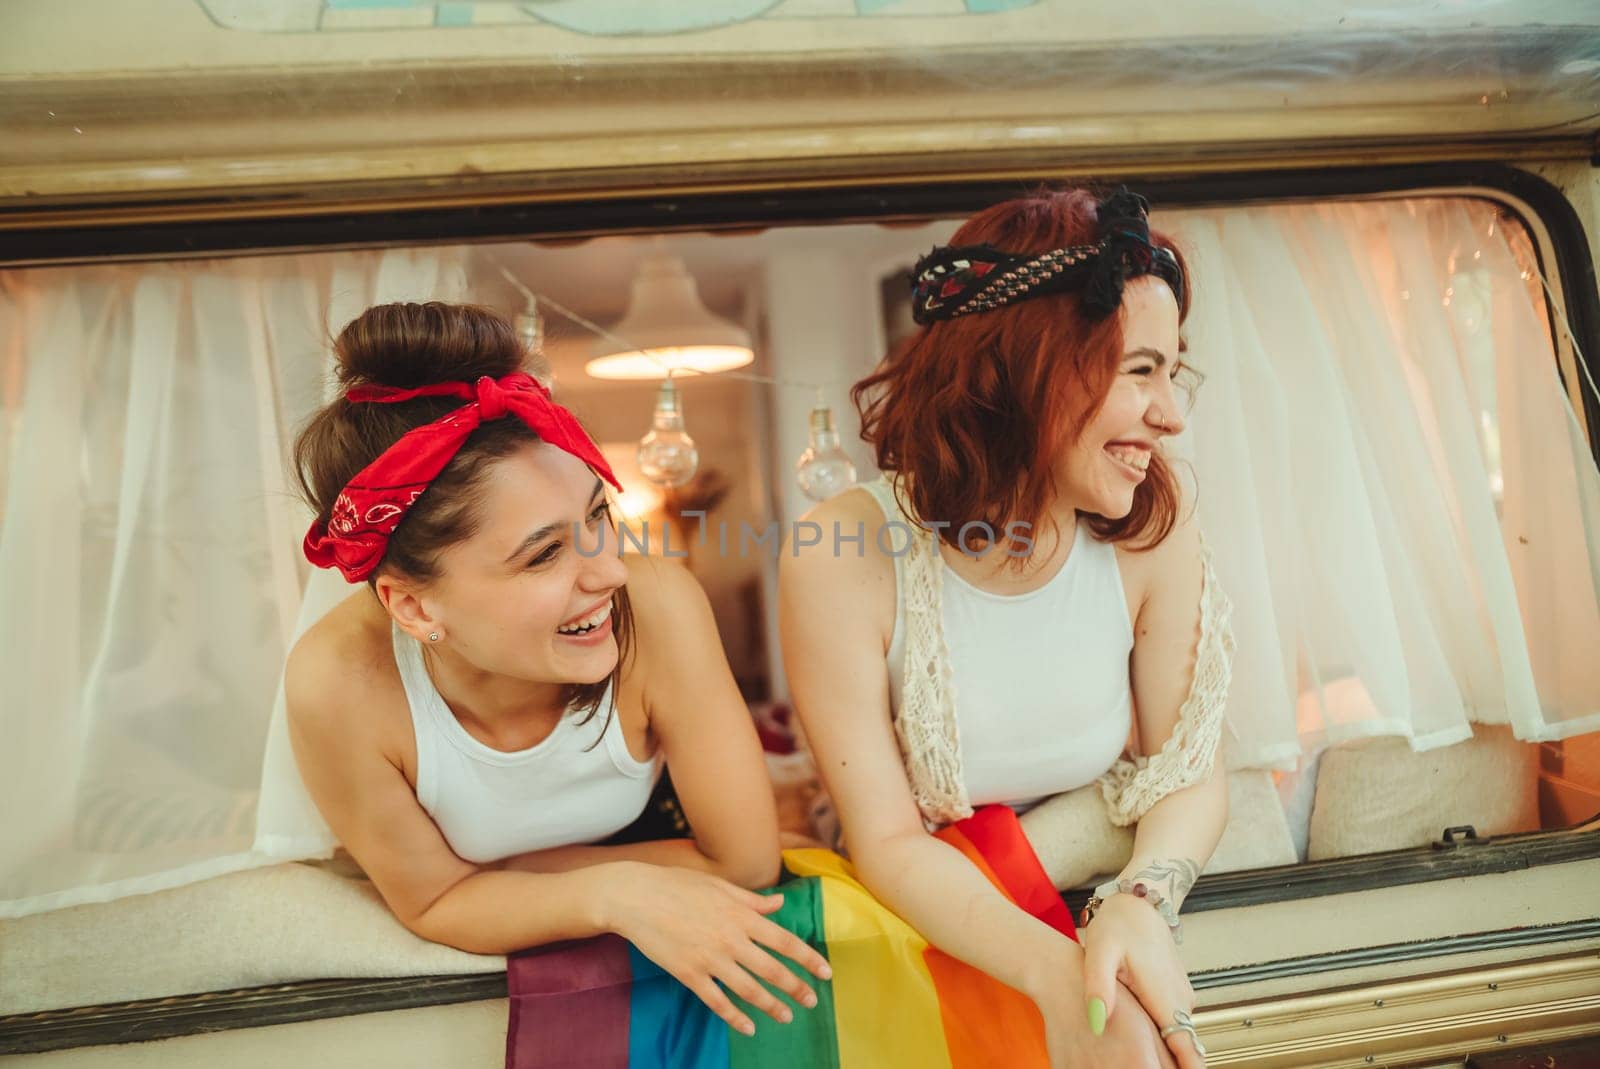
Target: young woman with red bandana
[(503, 693)]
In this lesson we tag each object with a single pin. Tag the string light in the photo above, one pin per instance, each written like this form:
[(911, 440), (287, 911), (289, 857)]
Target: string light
[(1527, 275), (1577, 350), (667, 455), (824, 469), (530, 329)]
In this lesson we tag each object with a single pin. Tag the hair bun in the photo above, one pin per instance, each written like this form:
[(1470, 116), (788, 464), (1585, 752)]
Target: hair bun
[(407, 345)]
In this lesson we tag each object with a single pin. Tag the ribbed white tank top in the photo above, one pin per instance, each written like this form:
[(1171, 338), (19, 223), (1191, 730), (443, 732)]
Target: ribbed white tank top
[(1043, 699), (491, 804)]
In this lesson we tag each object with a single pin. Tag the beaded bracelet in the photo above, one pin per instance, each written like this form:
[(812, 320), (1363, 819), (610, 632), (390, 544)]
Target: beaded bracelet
[(1137, 890)]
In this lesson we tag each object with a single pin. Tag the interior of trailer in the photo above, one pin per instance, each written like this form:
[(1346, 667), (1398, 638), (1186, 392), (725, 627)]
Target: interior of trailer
[(182, 855)]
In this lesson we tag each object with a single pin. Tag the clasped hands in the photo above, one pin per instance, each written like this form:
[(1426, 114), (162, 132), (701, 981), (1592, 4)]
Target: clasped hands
[(1133, 984)]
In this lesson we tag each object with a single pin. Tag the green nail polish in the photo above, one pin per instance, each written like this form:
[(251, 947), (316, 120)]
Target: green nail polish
[(1097, 1016)]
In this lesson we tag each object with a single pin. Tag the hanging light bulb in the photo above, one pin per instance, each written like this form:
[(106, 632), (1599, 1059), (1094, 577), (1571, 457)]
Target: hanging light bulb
[(824, 469), (667, 456), (530, 330)]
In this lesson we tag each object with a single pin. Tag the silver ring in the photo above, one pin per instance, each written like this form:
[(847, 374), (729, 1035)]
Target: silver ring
[(1182, 1022)]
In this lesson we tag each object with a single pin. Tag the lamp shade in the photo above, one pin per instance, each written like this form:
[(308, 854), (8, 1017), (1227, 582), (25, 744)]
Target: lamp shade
[(672, 329)]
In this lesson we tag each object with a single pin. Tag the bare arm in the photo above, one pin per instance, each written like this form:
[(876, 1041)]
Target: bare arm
[(1128, 939), (363, 795), (709, 934), (1175, 839), (836, 613), (706, 736), (672, 853)]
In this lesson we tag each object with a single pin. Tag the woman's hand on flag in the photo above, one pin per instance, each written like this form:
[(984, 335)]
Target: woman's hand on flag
[(715, 938)]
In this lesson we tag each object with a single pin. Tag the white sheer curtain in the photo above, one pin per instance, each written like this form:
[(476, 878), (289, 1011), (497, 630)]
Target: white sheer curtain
[(1399, 498), (149, 562), (288, 826)]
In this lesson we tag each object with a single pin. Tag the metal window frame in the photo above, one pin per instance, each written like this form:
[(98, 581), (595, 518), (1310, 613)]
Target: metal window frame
[(237, 226)]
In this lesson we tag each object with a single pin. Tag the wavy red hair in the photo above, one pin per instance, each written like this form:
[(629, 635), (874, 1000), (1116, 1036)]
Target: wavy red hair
[(972, 412)]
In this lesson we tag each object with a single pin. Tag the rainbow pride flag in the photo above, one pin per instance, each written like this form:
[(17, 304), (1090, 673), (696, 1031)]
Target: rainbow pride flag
[(893, 1002)]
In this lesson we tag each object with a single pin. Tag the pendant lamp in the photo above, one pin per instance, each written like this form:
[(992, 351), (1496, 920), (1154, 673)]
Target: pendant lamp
[(674, 331)]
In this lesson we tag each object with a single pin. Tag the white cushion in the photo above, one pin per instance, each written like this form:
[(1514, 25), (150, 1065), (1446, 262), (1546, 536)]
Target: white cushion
[(1257, 835), (264, 926), (1077, 843), (1378, 794)]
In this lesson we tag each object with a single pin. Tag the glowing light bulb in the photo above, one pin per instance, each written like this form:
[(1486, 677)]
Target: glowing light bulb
[(824, 469), (667, 456), (530, 330)]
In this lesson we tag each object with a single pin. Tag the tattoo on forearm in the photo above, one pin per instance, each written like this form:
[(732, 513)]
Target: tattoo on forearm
[(1178, 873)]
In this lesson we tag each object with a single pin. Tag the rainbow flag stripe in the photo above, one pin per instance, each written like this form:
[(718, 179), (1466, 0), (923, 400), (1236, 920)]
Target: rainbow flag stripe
[(894, 1001)]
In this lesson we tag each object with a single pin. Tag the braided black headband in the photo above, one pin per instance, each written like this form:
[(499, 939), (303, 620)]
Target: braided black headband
[(953, 281)]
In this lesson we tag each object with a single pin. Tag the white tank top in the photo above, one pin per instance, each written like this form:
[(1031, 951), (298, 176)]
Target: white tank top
[(577, 785), (1043, 699)]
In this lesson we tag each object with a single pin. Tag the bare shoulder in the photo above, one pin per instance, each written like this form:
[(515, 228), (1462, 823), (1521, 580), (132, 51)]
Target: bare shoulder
[(341, 667), (671, 614), (846, 568), (677, 668), (844, 535), (1170, 569), (657, 586), (855, 505)]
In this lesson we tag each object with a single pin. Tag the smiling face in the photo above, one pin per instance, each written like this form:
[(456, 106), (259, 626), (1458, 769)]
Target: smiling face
[(1101, 470), (529, 595)]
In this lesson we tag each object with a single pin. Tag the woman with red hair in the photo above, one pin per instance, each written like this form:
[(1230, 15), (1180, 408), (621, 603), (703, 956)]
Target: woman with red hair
[(1031, 611)]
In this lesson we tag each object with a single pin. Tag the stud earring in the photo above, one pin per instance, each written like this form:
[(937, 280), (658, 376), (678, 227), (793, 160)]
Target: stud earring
[(433, 636)]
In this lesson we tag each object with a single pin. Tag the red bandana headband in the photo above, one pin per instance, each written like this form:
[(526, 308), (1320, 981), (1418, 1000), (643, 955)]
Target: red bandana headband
[(368, 510)]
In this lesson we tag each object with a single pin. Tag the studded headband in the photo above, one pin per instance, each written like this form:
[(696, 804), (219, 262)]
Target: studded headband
[(954, 281)]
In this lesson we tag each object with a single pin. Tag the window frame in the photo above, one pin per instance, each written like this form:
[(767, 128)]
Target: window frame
[(237, 227), (325, 220)]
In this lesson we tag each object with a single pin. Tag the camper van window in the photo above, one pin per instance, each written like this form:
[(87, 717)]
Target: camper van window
[(704, 224), (1383, 453)]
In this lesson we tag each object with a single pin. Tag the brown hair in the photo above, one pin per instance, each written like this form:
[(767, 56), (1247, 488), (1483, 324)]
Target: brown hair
[(973, 410), (410, 345)]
